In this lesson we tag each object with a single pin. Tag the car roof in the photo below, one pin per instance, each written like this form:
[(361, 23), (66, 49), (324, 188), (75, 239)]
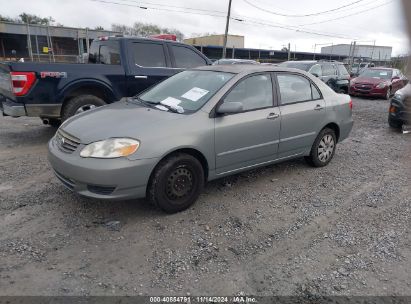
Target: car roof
[(143, 39), (381, 68), (246, 69)]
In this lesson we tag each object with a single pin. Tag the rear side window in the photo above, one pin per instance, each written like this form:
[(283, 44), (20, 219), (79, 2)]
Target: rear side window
[(328, 69), (186, 58), (148, 54), (342, 70), (295, 88), (105, 53)]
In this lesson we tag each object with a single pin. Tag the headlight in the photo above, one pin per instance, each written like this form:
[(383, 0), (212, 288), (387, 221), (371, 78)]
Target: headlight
[(111, 148), (381, 85)]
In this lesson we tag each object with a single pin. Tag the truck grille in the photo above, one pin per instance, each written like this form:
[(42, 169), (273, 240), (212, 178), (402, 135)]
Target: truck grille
[(66, 142)]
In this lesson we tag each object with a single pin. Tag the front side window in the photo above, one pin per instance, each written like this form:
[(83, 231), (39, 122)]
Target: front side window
[(343, 71), (186, 58), (254, 92), (188, 90), (105, 53), (148, 54), (295, 88)]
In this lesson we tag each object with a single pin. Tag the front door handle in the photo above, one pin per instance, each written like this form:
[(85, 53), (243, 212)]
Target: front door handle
[(140, 77), (318, 107), (273, 116)]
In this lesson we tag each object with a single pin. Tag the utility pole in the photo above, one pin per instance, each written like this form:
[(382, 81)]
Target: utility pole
[(289, 51), (226, 29)]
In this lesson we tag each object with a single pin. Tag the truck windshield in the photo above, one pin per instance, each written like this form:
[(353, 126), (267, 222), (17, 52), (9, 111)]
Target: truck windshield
[(187, 91)]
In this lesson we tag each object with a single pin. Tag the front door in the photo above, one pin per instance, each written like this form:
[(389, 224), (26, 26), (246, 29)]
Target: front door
[(251, 137), (302, 113)]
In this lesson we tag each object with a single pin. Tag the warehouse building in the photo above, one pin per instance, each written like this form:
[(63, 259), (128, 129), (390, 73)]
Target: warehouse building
[(370, 52), (233, 41), (32, 42)]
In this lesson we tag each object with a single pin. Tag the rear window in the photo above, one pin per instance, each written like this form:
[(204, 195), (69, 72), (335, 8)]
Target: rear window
[(148, 54), (107, 52), (328, 69)]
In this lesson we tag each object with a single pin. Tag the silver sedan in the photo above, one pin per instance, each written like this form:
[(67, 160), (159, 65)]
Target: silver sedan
[(196, 126)]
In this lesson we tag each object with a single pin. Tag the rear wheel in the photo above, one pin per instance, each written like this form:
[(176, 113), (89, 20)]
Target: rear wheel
[(80, 104), (394, 124), (323, 149), (176, 183)]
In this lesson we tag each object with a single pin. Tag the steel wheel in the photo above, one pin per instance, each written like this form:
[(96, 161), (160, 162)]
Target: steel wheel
[(85, 108), (326, 148), (179, 183)]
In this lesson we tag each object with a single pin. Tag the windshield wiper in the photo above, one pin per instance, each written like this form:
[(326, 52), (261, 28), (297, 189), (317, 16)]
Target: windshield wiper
[(144, 102), (176, 109)]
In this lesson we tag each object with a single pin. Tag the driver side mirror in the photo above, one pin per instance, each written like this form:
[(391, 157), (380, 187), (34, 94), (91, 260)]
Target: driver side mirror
[(230, 107)]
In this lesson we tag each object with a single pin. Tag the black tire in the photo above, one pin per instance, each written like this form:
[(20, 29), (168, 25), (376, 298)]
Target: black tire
[(317, 158), (54, 122), (394, 124), (74, 105), (176, 183)]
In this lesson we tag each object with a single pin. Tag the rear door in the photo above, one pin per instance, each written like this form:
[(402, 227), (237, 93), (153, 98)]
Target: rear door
[(149, 63), (302, 113), (252, 136)]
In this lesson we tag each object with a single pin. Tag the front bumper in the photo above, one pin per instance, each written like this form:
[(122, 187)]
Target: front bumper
[(368, 91), (108, 179)]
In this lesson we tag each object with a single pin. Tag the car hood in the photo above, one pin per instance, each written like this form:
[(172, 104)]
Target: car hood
[(120, 119), (369, 80)]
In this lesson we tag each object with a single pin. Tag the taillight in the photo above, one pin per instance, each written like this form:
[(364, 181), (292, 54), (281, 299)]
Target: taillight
[(22, 82), (350, 104)]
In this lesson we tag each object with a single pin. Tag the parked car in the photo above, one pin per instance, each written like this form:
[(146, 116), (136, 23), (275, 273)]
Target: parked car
[(197, 126), (333, 73), (378, 82), (400, 108), (235, 61), (117, 67)]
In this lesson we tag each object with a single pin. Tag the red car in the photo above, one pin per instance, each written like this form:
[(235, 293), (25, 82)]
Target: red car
[(378, 82)]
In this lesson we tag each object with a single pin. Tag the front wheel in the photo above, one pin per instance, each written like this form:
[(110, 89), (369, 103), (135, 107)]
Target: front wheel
[(176, 183), (323, 149)]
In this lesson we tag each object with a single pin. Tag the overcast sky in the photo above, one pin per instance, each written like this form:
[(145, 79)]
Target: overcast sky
[(379, 20)]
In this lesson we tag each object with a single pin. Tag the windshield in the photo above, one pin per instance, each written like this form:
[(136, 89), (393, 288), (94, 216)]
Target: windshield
[(297, 65), (187, 91), (381, 74)]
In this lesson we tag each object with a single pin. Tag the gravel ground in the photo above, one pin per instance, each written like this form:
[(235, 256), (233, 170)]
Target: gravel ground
[(286, 229)]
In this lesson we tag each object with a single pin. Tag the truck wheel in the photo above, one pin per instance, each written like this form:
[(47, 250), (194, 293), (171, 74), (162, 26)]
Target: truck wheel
[(394, 124), (54, 122), (323, 148), (79, 104), (176, 183)]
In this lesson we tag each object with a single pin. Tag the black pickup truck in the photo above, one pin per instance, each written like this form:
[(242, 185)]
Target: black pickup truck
[(117, 67)]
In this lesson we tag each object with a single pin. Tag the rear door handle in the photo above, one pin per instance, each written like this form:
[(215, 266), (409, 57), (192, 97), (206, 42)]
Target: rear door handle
[(318, 108), (273, 116), (140, 77)]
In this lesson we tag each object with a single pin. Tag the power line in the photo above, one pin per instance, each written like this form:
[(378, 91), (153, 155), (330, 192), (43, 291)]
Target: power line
[(306, 15), (174, 6), (246, 19), (350, 15)]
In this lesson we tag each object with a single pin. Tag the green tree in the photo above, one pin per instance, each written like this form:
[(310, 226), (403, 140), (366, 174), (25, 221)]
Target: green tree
[(34, 19)]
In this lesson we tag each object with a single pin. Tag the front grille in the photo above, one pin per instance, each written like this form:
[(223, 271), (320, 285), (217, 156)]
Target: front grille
[(363, 87), (66, 142), (104, 190)]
